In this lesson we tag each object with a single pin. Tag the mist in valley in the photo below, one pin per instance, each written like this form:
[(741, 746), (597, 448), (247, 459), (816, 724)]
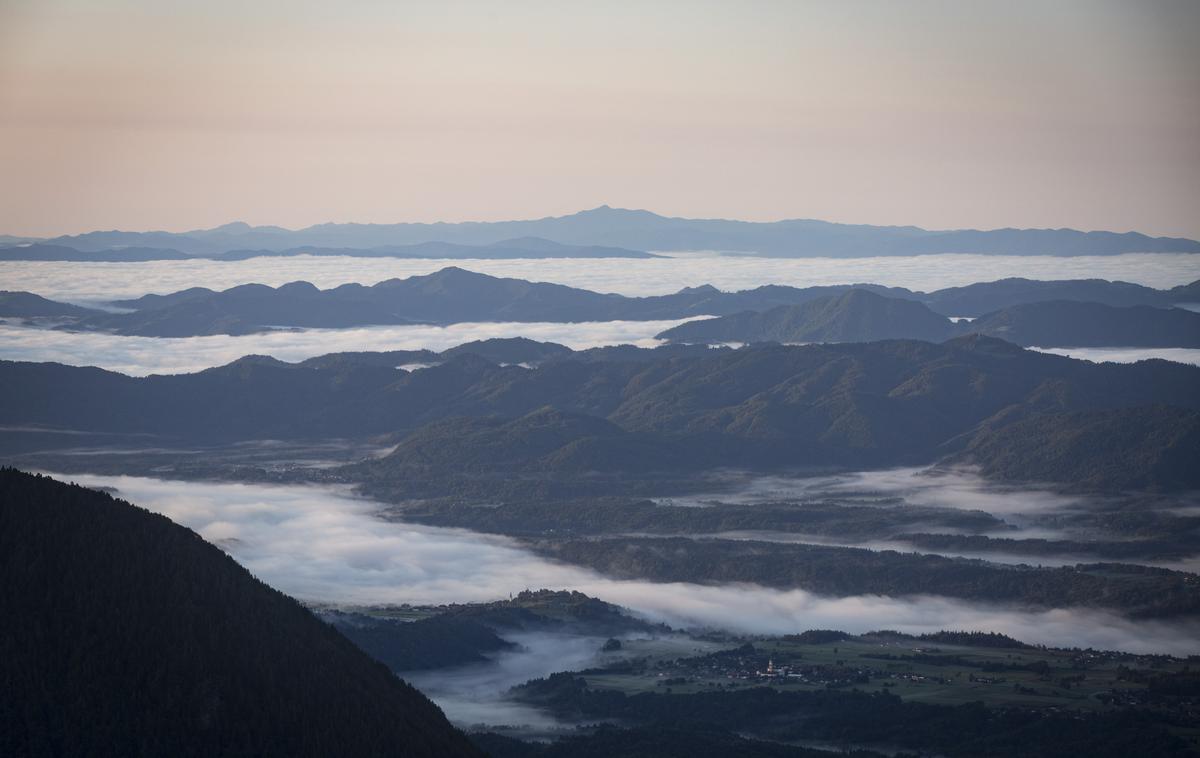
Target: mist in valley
[(325, 545), (1126, 354), (961, 489), (140, 356), (476, 693)]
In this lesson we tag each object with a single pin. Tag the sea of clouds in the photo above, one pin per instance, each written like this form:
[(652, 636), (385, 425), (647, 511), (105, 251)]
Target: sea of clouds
[(1126, 354), (97, 283), (139, 356), (325, 545), (92, 283)]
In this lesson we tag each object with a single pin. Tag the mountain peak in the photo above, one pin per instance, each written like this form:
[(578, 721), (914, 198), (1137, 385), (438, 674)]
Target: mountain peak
[(455, 273), (703, 289), (232, 226)]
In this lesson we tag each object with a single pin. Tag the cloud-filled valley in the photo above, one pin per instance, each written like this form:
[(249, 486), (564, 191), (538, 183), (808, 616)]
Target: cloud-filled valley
[(139, 356), (1126, 354), (325, 545), (92, 283)]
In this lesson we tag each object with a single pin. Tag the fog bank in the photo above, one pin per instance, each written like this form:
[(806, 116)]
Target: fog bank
[(322, 544), (88, 283), (1126, 354), (961, 489), (139, 356)]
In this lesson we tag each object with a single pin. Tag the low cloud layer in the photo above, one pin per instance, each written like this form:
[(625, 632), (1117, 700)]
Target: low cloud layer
[(89, 283), (917, 486), (139, 356), (1126, 354), (93, 283), (475, 694), (323, 544)]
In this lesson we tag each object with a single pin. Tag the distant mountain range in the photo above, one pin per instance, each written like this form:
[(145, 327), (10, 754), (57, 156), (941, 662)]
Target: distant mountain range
[(863, 316), (613, 228), (602, 420), (834, 313), (122, 633)]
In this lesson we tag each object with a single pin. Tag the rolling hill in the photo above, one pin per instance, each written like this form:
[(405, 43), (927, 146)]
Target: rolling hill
[(646, 412)]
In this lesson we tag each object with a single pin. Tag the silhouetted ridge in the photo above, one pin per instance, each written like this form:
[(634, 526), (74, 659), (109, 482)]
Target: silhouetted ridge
[(1063, 323), (122, 633), (29, 305), (634, 230), (819, 313), (888, 403)]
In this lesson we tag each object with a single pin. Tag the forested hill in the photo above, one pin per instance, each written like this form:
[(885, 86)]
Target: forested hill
[(854, 316), (863, 316), (124, 634), (764, 408)]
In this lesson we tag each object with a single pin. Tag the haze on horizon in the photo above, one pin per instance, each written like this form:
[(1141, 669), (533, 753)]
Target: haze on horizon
[(171, 115)]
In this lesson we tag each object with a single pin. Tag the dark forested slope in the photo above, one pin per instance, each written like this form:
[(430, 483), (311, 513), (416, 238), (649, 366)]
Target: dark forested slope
[(1116, 449), (1063, 323), (123, 634)]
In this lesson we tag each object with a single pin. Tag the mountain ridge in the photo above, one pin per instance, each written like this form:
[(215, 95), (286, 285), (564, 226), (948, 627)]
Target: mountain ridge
[(123, 633), (453, 294), (863, 316), (645, 230), (769, 407)]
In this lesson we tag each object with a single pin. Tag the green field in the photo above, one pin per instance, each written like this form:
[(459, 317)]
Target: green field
[(938, 673)]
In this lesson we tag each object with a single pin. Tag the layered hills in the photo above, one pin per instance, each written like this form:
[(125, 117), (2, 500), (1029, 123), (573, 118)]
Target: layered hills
[(471, 423), (454, 295)]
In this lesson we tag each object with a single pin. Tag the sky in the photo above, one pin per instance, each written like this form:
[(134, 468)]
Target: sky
[(161, 114)]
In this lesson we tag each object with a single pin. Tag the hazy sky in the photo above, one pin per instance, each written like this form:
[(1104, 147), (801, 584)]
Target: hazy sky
[(174, 115)]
